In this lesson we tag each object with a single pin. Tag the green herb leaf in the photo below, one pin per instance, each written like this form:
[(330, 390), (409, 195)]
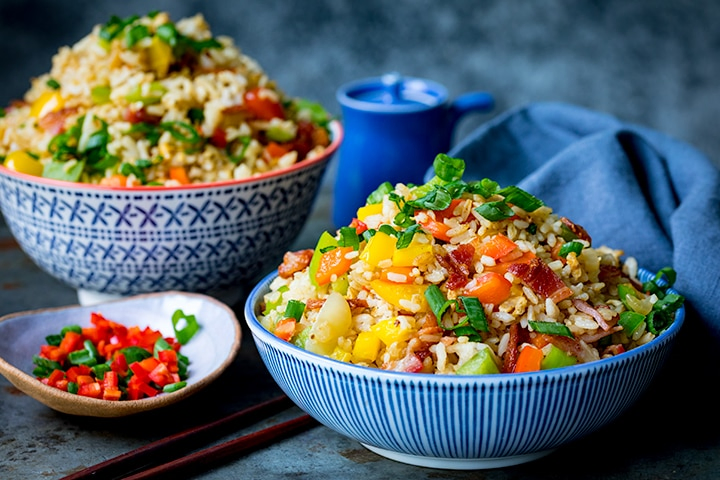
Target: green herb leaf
[(495, 211), (379, 193), (448, 168), (349, 238), (551, 328), (475, 313)]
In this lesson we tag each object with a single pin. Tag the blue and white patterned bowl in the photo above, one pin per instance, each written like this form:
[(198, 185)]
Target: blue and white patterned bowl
[(459, 422), (127, 241)]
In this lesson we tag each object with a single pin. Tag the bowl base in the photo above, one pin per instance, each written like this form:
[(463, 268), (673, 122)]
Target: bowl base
[(229, 296), (458, 463)]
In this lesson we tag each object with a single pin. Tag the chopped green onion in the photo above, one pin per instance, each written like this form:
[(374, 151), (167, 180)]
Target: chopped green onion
[(82, 357), (196, 115), (495, 211), (567, 234), (44, 366), (115, 26), (521, 198), (630, 321), (551, 328), (437, 301), (294, 309), (174, 387), (182, 131), (73, 388), (54, 340), (52, 83), (100, 370), (574, 246), (185, 326), (135, 34), (160, 345), (134, 354)]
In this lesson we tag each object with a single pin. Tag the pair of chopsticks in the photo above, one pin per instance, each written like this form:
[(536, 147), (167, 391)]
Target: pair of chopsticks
[(145, 462)]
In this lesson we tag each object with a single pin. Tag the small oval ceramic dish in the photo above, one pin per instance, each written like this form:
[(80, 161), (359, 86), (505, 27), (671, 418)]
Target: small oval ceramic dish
[(460, 421), (209, 351), (134, 240)]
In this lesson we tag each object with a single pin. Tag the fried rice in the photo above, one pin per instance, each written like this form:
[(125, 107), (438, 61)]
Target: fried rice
[(146, 101), (455, 277)]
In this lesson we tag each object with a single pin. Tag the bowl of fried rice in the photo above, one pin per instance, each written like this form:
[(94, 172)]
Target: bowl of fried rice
[(463, 325), (156, 156)]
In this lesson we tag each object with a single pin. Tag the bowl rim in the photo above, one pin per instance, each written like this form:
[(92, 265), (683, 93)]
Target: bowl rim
[(579, 370), (334, 125)]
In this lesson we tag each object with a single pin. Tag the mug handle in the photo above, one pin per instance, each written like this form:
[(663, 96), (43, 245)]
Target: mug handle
[(469, 102)]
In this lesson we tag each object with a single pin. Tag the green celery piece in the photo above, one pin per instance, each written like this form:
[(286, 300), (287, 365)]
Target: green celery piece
[(481, 363), (299, 339), (58, 171), (341, 285), (280, 134), (557, 358)]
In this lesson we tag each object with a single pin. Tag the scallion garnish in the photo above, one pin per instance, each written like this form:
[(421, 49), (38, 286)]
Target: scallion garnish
[(294, 309), (185, 326), (521, 198), (182, 131), (52, 83), (574, 246), (475, 313)]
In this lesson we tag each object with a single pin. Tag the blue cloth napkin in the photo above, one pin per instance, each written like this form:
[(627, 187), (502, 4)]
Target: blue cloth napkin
[(632, 188)]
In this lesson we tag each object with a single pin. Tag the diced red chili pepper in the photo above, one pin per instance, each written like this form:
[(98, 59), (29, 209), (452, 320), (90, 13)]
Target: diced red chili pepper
[(71, 341), (55, 376), (169, 358), (112, 394), (75, 371), (92, 389), (110, 380), (140, 373), (119, 364), (161, 375)]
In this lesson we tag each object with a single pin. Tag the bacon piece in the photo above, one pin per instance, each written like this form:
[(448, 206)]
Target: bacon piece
[(594, 337), (609, 273), (54, 122), (576, 347), (585, 307), (140, 116), (294, 262), (518, 336), (542, 279), (579, 231), (459, 264), (317, 303)]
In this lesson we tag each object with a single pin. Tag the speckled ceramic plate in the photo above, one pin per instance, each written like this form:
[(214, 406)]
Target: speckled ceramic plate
[(210, 350)]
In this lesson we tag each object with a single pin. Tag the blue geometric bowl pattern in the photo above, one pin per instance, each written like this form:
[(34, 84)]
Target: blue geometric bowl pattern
[(459, 422), (139, 241)]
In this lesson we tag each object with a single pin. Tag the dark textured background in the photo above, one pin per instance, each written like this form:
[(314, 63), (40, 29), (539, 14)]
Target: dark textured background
[(645, 61)]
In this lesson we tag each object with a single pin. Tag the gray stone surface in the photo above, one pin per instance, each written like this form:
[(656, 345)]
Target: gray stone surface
[(650, 62)]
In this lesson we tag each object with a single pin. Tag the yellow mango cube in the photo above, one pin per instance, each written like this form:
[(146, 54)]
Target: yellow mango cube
[(366, 348), (50, 101), (390, 331), (412, 255), (381, 246), (406, 297), (367, 210), (341, 355)]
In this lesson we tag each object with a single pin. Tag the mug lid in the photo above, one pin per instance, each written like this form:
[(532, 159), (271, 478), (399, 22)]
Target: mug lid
[(392, 93)]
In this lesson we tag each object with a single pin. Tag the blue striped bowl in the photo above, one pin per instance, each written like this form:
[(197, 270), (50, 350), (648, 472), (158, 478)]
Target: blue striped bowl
[(459, 422)]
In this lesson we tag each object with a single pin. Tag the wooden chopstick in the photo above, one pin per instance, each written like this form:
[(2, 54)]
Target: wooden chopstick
[(160, 450), (218, 453)]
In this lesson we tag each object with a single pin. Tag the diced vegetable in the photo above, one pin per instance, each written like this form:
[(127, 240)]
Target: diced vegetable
[(529, 359), (489, 288), (113, 362), (482, 363)]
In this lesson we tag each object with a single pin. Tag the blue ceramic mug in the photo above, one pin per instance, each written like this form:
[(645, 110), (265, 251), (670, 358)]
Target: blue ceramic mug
[(394, 127)]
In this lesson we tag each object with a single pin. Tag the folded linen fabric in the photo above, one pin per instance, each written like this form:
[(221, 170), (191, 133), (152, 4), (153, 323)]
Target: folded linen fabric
[(631, 187)]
